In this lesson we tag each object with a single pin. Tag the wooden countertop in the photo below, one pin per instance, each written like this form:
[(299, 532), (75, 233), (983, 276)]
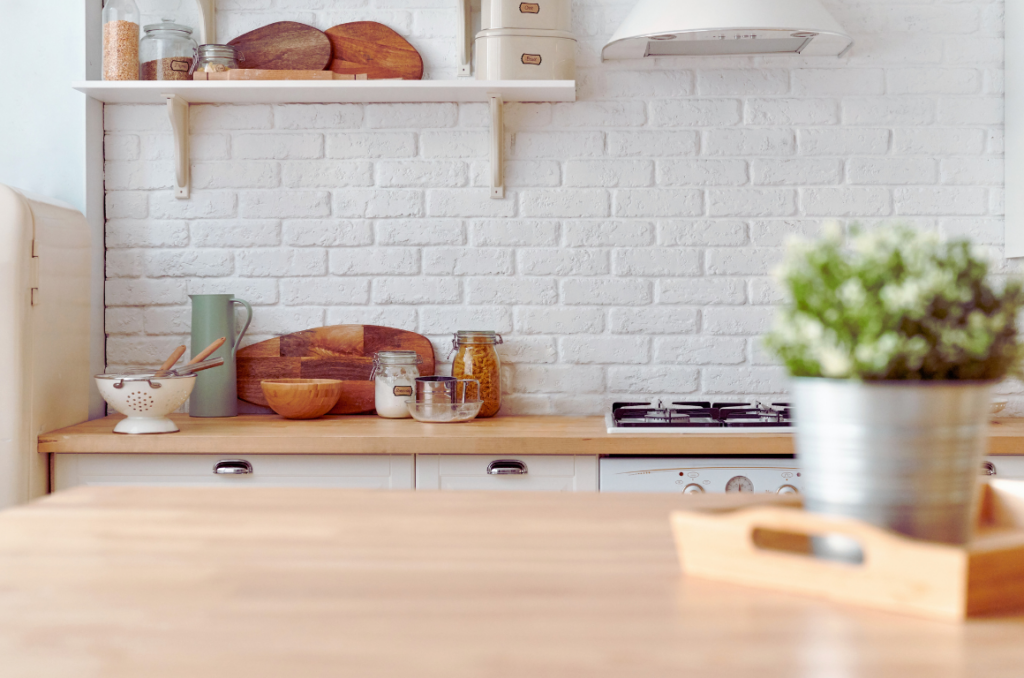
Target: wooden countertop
[(269, 434), (261, 583)]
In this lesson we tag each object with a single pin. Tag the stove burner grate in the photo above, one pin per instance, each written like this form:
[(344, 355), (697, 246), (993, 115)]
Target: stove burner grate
[(700, 414)]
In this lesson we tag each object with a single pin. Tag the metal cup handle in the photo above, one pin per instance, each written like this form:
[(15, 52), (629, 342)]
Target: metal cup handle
[(463, 383)]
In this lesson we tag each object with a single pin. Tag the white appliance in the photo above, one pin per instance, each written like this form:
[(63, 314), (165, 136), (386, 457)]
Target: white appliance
[(700, 475), (44, 334), (727, 27)]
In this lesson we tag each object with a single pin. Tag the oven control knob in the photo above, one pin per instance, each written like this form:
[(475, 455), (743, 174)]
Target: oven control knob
[(788, 489), (693, 488)]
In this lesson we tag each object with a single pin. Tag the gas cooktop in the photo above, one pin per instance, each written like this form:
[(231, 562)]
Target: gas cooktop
[(658, 416)]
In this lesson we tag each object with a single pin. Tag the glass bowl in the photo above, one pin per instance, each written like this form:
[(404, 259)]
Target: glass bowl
[(444, 413)]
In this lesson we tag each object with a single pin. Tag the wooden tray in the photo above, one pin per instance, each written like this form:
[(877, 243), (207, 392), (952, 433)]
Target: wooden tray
[(769, 546)]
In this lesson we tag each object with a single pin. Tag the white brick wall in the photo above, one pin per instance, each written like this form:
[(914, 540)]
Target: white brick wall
[(633, 252)]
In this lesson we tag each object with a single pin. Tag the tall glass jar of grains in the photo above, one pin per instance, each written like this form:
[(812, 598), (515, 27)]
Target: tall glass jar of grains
[(121, 40), (167, 52), (476, 358), (394, 375)]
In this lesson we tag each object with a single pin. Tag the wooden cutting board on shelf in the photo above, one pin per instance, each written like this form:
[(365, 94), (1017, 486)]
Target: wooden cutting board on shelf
[(336, 352), (285, 45), (373, 48)]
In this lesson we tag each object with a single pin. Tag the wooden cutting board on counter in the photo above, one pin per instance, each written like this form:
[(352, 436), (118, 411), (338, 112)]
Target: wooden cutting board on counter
[(373, 48), (285, 45), (336, 352)]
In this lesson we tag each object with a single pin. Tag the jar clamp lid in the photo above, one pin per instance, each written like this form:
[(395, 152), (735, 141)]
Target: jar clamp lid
[(383, 358), (474, 337)]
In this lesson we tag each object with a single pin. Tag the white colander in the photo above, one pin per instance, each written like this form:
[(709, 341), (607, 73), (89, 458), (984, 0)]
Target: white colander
[(146, 400)]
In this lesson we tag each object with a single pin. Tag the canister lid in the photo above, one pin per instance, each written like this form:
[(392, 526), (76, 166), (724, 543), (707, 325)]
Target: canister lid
[(397, 357), (168, 25), (524, 33)]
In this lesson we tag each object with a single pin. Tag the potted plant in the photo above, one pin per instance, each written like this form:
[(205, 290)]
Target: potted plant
[(894, 344)]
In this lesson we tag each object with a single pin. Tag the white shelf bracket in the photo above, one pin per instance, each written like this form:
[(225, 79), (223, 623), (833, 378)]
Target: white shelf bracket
[(208, 17), (177, 109), (465, 40), (497, 147)]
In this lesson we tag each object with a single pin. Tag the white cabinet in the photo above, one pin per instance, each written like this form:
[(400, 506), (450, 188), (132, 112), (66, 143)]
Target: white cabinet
[(381, 471), (560, 473)]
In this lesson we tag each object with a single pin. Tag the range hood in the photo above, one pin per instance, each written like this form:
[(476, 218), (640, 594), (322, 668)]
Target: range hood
[(727, 27)]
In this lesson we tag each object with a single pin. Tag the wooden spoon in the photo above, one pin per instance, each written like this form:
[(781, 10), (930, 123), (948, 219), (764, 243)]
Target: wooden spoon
[(207, 352), (169, 363)]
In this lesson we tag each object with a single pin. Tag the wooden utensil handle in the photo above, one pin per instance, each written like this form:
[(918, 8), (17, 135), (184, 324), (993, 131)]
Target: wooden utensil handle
[(169, 363), (208, 351)]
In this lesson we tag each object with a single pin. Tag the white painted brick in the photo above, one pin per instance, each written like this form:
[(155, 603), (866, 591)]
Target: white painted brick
[(542, 202), (131, 175), (168, 320), (318, 116), (602, 114), (695, 233), (559, 379), (237, 174), (995, 142), (206, 118), (909, 48), (123, 321), (200, 205), (745, 261), (137, 351), (419, 232), (468, 202), (936, 141), (933, 80), (967, 49), (744, 82), (559, 320), (838, 141), (656, 262), (745, 320), (514, 233), (139, 291), (942, 201), (454, 144), (445, 319), (916, 18), (125, 264), (189, 263), (796, 171), (647, 202), (413, 173), (276, 321), (997, 201), (888, 111), (411, 116), (971, 111), (563, 262), (122, 233), (417, 291), (325, 291), (351, 145), (519, 173), (519, 115), (847, 201), (120, 147), (756, 380), (627, 85), (652, 380), (819, 81), (327, 174), (609, 173), (327, 233), (605, 292), (616, 350), (467, 261), (526, 350), (278, 263), (766, 292), (702, 172), (559, 145), (971, 171), (124, 205), (576, 405), (653, 144), (653, 321), (768, 112), (134, 118), (257, 291), (701, 291), (386, 316), (201, 147), (775, 232), (695, 112), (374, 261), (279, 146), (756, 202), (981, 231), (888, 171), (507, 290), (700, 350), (747, 142), (370, 203), (283, 204), (608, 233)]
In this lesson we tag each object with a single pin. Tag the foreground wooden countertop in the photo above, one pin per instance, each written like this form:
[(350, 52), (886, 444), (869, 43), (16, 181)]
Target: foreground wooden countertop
[(270, 434), (261, 583)]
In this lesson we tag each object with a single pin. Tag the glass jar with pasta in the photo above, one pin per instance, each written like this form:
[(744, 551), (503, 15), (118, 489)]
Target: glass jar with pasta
[(476, 358)]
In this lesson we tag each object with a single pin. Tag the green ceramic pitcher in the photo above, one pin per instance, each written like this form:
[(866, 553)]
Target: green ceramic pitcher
[(213, 316)]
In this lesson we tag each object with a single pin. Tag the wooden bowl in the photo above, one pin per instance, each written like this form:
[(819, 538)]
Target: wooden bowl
[(301, 398)]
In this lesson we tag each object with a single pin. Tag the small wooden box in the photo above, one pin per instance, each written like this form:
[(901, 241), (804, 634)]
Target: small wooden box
[(769, 546)]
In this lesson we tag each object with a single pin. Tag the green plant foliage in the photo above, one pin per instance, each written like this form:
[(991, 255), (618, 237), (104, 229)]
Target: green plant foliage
[(897, 304)]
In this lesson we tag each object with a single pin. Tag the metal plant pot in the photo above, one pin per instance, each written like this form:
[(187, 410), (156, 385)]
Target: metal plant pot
[(904, 456)]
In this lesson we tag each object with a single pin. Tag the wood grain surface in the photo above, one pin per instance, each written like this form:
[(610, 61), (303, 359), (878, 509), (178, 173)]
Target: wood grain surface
[(373, 48), (285, 45), (261, 583), (301, 398), (342, 352)]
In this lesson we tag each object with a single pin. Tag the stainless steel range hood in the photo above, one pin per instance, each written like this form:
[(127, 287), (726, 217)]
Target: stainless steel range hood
[(727, 27)]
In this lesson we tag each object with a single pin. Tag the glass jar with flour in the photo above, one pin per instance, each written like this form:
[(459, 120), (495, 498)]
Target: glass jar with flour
[(394, 375)]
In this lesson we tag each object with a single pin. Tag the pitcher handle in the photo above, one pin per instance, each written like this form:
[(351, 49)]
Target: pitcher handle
[(248, 320)]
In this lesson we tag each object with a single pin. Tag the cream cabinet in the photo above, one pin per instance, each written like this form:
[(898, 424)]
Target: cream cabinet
[(560, 473)]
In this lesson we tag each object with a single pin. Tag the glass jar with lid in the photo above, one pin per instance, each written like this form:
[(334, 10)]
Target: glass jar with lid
[(121, 40), (476, 358), (167, 52), (217, 59), (394, 376)]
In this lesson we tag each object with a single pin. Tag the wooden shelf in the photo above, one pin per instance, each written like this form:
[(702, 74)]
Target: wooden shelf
[(339, 91)]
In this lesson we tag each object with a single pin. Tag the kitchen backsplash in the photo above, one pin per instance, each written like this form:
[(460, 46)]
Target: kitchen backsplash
[(632, 254)]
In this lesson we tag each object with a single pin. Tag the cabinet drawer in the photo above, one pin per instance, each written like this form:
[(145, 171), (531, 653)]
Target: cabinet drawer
[(559, 473), (267, 470)]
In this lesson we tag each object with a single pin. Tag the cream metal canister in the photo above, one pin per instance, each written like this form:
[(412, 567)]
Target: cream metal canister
[(549, 15), (525, 54)]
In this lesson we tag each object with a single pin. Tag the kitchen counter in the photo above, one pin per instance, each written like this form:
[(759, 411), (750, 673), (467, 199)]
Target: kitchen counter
[(156, 582), (268, 434)]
